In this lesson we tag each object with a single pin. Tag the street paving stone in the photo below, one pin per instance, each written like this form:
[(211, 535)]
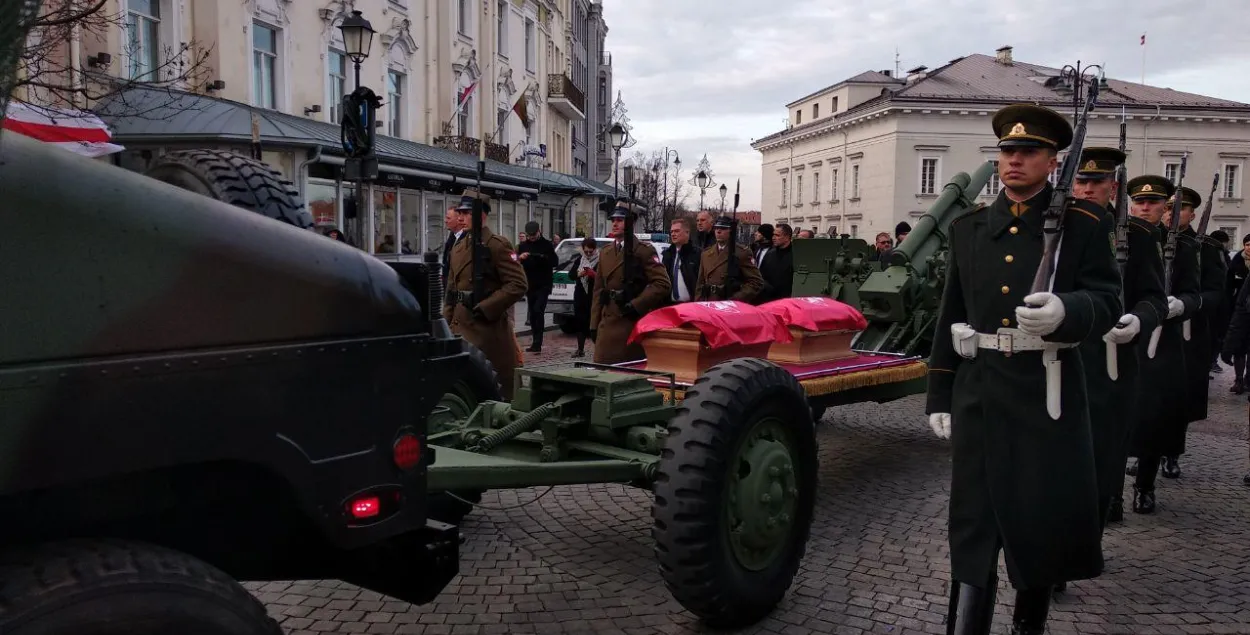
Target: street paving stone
[(578, 559)]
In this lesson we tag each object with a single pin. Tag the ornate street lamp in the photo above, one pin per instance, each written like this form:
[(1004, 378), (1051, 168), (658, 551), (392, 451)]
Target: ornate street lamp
[(357, 39), (616, 136), (724, 191)]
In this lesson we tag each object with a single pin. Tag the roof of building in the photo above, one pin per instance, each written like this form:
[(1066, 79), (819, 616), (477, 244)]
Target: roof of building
[(978, 79), (866, 77), (146, 115)]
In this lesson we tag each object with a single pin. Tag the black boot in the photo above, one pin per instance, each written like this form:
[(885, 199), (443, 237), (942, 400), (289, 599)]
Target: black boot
[(1143, 500), (1131, 470), (971, 609), (1116, 513), (1032, 607), (1171, 467)]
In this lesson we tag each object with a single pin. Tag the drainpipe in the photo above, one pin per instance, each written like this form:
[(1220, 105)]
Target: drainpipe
[(302, 171), (1145, 138)]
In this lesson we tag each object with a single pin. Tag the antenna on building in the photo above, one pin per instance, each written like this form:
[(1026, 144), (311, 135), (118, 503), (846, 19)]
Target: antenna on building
[(898, 64)]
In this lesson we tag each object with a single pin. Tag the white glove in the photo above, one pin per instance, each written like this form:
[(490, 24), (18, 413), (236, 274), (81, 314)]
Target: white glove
[(941, 424), (1124, 332), (1042, 320), (1175, 307)]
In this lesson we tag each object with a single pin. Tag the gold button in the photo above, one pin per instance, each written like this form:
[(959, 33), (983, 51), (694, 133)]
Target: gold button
[(1010, 258), (1006, 289), (1014, 229), (1006, 322)]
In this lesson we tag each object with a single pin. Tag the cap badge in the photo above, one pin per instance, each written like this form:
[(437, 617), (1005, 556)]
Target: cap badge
[(1017, 130), (1147, 188), (1091, 165)]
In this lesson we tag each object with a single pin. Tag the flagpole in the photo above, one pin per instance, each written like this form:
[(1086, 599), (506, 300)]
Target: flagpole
[(1143, 59)]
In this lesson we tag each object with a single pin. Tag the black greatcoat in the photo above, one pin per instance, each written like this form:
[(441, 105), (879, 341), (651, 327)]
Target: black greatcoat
[(1005, 490), (1160, 427), (1213, 275), (1112, 404)]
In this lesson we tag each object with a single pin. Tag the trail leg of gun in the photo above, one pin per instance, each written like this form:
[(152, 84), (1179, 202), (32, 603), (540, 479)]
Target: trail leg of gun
[(1153, 346), (1113, 362)]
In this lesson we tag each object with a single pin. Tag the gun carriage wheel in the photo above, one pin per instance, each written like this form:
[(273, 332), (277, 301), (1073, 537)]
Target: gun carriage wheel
[(735, 492)]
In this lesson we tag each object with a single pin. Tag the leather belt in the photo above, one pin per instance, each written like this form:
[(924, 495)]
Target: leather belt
[(1008, 341)]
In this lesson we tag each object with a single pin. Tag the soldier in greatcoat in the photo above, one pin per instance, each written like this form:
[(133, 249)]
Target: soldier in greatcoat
[(618, 303), (1007, 386), (484, 322), (1112, 401), (1161, 416), (713, 283), (1212, 275)]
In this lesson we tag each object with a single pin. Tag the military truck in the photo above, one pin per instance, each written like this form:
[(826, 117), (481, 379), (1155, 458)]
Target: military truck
[(195, 388)]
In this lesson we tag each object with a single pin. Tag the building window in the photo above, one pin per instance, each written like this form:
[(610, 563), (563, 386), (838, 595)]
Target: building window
[(462, 15), (993, 186), (798, 117), (462, 117), (394, 103), (855, 181), (815, 111), (835, 106), (143, 22), (336, 84), (501, 38), (264, 66), (833, 185), (501, 123), (798, 190), (815, 187), (1170, 170), (784, 192), (1231, 187), (530, 53), (928, 175), (854, 231)]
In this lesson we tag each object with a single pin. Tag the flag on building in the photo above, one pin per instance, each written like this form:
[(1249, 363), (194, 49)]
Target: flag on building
[(78, 131), (1143, 39), (521, 107)]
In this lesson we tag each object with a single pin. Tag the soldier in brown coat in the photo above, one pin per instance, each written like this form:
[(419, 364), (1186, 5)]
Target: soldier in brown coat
[(484, 322), (713, 269), (615, 306)]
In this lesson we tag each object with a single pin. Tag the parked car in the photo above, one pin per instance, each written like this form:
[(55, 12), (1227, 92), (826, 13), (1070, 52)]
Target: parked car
[(560, 302)]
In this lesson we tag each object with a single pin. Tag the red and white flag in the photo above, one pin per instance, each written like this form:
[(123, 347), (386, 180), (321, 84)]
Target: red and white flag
[(1143, 39), (78, 131)]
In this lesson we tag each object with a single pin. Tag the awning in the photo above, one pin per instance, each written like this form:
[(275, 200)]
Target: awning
[(78, 131)]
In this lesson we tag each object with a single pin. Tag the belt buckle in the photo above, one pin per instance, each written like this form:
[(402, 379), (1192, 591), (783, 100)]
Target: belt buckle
[(1006, 343)]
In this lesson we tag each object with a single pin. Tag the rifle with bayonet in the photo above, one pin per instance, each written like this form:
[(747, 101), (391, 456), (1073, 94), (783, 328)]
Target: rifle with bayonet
[(627, 258), (1121, 239), (479, 249), (731, 250), (1052, 228), (1169, 255), (1206, 209)]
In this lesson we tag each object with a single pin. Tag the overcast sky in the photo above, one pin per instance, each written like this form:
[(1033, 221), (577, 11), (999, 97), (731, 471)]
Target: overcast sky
[(708, 76)]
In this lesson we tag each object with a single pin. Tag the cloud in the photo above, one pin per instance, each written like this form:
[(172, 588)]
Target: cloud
[(703, 76)]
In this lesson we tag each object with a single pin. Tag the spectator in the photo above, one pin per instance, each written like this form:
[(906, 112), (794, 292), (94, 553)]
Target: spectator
[(681, 261), (538, 258), (1222, 314), (777, 266), (704, 237), (883, 245), (806, 233), (582, 270), (900, 232), (1236, 343), (763, 242), (454, 231)]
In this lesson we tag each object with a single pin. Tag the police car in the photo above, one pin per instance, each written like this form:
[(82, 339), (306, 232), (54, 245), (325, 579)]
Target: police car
[(560, 302)]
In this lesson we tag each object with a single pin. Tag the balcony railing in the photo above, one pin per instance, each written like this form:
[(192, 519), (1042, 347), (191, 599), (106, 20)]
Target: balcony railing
[(561, 93), (471, 145)]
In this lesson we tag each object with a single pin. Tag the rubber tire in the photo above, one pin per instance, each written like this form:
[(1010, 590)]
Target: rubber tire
[(696, 562), (479, 383), (235, 179), (114, 587)]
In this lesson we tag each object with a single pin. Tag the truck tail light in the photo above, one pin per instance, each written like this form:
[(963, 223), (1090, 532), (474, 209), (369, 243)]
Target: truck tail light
[(365, 507), (406, 451)]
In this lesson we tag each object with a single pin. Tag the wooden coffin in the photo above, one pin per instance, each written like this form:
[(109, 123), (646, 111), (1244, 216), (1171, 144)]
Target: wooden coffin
[(810, 347), (684, 352)]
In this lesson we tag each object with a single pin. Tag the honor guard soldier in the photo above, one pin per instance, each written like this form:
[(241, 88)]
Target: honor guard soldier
[(1008, 389), (1112, 381), (714, 281), (484, 321), (1199, 341), (628, 285), (1160, 427)]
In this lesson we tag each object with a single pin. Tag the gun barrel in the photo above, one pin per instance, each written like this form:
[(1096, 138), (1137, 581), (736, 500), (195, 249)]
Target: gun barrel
[(917, 247)]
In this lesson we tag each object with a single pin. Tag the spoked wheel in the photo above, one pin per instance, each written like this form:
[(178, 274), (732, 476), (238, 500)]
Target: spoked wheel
[(736, 492), (478, 383)]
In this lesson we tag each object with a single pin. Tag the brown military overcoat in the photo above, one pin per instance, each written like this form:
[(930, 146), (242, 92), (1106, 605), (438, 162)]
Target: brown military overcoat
[(611, 327), (713, 269), (503, 285)]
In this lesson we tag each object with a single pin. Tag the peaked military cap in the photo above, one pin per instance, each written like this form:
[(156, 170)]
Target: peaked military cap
[(1034, 126), (624, 211), (467, 199), (1189, 197), (1099, 163), (723, 222), (1150, 186)]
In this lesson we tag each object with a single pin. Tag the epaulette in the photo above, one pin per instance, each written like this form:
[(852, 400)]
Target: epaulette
[(500, 239), (1212, 242), (1084, 212), (1140, 225), (1187, 238), (975, 208)]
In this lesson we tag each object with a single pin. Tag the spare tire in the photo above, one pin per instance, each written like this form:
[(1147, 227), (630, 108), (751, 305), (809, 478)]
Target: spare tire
[(235, 179)]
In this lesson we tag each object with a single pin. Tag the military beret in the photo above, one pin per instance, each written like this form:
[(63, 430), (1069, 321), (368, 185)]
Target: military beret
[(1150, 186), (1099, 163), (723, 222), (1189, 197), (622, 210), (1029, 125), (469, 196)]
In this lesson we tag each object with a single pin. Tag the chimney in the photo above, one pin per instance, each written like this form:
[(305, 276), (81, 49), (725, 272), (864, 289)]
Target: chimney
[(917, 74), (1003, 55), (887, 72)]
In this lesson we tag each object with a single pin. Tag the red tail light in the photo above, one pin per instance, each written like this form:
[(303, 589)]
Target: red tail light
[(407, 452), (365, 507)]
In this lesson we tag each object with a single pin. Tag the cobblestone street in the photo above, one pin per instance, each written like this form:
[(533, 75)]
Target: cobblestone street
[(579, 559)]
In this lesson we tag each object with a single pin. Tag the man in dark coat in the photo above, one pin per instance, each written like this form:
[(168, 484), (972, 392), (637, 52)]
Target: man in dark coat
[(1007, 386), (681, 261), (538, 257), (1113, 391), (624, 292), (777, 267), (1199, 335), (1161, 415)]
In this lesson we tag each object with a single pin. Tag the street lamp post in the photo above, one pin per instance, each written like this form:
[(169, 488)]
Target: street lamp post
[(701, 181), (357, 39), (724, 190), (616, 136), (359, 114), (676, 175)]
